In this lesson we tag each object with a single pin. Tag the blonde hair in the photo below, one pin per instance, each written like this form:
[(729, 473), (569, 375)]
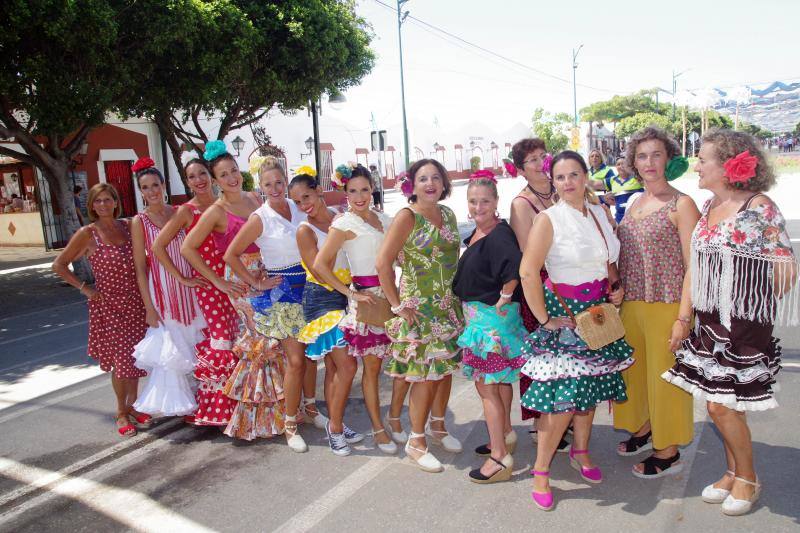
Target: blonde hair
[(96, 191), (271, 163)]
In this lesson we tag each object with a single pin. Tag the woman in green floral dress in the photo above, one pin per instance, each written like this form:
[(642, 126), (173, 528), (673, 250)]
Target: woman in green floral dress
[(424, 240)]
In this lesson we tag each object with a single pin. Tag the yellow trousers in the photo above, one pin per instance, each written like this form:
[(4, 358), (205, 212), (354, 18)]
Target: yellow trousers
[(667, 407)]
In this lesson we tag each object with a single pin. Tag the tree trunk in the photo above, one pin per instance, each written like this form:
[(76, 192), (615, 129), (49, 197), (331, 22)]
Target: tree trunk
[(61, 190), (175, 148), (683, 120)]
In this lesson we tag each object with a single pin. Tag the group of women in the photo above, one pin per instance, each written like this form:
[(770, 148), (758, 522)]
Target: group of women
[(248, 297)]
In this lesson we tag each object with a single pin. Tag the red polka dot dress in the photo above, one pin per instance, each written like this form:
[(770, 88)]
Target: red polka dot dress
[(117, 320), (215, 360)]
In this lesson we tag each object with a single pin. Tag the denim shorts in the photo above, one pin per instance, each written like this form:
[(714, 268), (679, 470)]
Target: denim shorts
[(317, 301)]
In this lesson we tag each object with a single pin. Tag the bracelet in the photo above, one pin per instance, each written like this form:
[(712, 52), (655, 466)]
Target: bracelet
[(397, 308), (546, 321), (80, 289), (506, 296), (685, 320)]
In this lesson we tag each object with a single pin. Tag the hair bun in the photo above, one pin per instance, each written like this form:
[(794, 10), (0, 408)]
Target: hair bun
[(143, 163), (215, 149)]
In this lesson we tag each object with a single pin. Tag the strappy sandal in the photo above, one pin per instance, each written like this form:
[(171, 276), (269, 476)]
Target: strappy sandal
[(589, 474), (655, 467), (504, 474), (142, 420), (542, 500), (712, 494), (511, 445), (389, 448), (293, 438), (313, 415), (426, 461), (635, 445), (128, 430), (441, 437), (733, 507), (399, 437)]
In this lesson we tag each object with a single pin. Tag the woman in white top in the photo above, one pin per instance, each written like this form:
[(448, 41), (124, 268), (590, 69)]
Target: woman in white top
[(324, 308), (576, 242), (360, 232), (279, 311)]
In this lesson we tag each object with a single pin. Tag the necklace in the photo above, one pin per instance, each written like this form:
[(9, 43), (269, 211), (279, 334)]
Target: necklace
[(546, 196)]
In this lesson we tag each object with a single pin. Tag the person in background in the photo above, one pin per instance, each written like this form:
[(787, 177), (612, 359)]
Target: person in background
[(377, 191), (116, 311), (76, 197), (17, 204), (623, 186), (599, 172)]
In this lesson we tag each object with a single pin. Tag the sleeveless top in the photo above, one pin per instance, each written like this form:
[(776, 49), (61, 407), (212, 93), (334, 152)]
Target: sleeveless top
[(112, 266), (278, 239), (340, 267), (651, 260), (172, 299), (363, 250), (223, 240), (578, 254)]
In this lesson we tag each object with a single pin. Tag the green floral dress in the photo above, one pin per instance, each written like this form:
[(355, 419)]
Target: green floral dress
[(428, 350)]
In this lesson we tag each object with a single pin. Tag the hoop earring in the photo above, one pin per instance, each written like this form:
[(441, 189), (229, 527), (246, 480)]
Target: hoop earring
[(497, 215), (469, 216)]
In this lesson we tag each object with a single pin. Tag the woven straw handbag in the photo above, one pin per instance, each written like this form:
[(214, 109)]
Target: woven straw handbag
[(598, 325)]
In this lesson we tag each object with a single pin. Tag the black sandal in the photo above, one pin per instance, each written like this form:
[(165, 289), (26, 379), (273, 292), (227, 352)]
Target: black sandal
[(504, 474), (655, 467), (636, 445)]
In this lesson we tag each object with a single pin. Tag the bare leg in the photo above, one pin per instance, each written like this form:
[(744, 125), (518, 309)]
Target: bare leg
[(440, 400), (344, 370), (370, 378), (399, 392), (506, 396), (327, 387), (310, 380), (582, 431), (295, 369), (120, 391), (494, 412), (551, 428), (419, 407), (733, 427)]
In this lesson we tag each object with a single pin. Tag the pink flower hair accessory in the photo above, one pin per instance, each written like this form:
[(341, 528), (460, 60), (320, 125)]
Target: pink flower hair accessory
[(547, 163), (740, 168), (510, 167), (483, 174), (406, 185)]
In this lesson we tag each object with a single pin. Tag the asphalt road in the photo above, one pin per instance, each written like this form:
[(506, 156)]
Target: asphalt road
[(62, 467)]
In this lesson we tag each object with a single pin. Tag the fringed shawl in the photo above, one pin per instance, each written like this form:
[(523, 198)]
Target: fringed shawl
[(744, 267)]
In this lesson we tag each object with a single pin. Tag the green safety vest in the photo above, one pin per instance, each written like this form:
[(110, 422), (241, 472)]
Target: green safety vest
[(631, 184), (601, 174)]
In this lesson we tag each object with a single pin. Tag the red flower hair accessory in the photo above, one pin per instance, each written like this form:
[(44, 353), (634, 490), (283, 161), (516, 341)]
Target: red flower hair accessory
[(143, 163), (510, 167), (406, 186), (740, 168), (483, 174)]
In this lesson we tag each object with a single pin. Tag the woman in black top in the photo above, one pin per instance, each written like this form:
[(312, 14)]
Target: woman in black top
[(487, 282)]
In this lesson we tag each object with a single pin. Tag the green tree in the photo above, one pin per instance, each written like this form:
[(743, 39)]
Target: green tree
[(620, 107), (240, 59), (630, 125), (551, 128)]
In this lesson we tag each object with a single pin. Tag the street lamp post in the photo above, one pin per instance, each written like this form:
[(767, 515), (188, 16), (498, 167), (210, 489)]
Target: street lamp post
[(238, 144), (574, 84), (315, 125), (400, 18), (675, 88)]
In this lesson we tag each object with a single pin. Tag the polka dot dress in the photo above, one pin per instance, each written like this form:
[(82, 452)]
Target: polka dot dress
[(215, 360), (117, 320)]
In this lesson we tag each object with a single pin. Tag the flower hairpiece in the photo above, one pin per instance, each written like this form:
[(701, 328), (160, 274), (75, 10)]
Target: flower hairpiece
[(406, 185), (740, 168), (547, 163), (214, 149), (676, 167), (483, 174), (511, 168), (305, 170), (342, 175), (143, 163)]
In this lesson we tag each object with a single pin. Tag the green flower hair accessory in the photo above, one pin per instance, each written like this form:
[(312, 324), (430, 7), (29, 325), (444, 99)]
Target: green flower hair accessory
[(676, 167), (214, 149)]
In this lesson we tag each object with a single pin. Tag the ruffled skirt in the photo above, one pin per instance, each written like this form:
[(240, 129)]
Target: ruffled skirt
[(492, 343), (735, 368), (279, 310), (323, 310), (364, 339), (428, 350), (167, 354), (566, 374)]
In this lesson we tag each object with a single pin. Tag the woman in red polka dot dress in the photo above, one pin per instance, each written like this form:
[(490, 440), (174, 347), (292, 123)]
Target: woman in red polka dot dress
[(116, 312)]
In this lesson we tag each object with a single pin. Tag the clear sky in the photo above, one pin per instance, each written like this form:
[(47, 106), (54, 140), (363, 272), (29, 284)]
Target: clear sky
[(628, 45)]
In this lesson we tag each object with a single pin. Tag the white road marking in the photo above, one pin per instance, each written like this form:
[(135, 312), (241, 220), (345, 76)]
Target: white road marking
[(127, 507), (47, 331), (29, 267), (40, 359), (314, 513), (44, 481)]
